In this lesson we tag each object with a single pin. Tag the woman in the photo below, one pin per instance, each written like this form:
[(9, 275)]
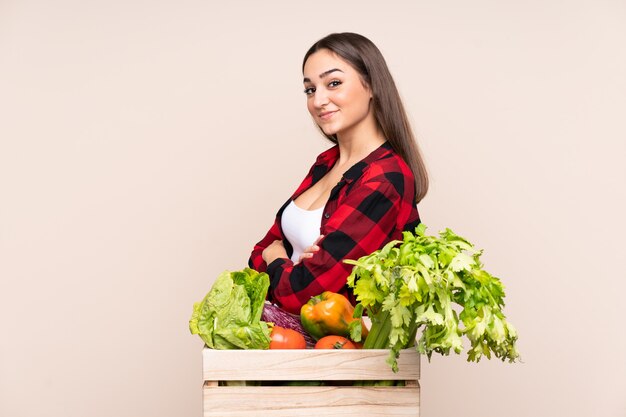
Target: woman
[(359, 194)]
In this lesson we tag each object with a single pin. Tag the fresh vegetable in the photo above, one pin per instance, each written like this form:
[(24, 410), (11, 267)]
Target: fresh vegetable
[(229, 316), (282, 318), (330, 313), (334, 342), (414, 283), (282, 338)]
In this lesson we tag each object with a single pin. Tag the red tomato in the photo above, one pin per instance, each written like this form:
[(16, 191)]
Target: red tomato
[(282, 338), (334, 342)]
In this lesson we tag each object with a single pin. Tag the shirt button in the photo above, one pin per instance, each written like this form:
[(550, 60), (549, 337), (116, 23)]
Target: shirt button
[(326, 216)]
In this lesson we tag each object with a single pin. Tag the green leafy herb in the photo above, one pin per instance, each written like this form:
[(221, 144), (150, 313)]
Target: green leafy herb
[(229, 317), (414, 284)]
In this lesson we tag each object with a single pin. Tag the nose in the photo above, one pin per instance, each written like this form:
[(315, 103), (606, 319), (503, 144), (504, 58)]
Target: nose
[(320, 98)]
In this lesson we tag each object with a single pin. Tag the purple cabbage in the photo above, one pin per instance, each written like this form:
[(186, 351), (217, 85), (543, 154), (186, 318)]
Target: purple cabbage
[(282, 318)]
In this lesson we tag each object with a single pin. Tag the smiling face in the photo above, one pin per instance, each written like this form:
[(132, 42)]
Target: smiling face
[(337, 98)]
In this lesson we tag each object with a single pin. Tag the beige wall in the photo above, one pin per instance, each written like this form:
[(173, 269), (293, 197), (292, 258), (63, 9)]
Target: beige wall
[(145, 146)]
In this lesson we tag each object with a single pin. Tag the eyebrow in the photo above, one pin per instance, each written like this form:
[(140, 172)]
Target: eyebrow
[(322, 75)]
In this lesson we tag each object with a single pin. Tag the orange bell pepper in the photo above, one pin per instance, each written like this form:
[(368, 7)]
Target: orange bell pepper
[(329, 314)]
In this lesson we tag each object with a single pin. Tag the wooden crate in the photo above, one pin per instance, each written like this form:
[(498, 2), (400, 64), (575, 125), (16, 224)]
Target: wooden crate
[(334, 398)]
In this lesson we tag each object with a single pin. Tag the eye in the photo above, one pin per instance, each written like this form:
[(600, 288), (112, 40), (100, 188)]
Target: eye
[(309, 90), (334, 83)]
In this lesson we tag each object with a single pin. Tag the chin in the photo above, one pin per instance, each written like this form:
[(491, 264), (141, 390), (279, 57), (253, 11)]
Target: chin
[(329, 130)]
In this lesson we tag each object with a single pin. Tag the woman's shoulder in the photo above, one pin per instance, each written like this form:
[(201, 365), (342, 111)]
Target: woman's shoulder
[(390, 172), (389, 166)]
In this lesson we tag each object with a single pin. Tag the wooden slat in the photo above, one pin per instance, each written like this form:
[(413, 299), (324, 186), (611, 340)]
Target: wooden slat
[(307, 364), (311, 401)]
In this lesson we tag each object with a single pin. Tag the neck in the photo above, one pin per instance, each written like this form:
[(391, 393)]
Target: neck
[(359, 142)]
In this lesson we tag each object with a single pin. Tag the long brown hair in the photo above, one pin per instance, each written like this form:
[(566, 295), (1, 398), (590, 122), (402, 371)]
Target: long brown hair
[(367, 60)]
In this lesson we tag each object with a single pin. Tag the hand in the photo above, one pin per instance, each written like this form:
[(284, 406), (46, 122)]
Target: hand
[(310, 251), (274, 251)]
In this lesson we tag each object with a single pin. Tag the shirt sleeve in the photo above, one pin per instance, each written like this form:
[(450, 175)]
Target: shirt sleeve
[(363, 222), (256, 261)]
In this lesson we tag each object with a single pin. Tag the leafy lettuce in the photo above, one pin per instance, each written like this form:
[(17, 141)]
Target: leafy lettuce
[(229, 316)]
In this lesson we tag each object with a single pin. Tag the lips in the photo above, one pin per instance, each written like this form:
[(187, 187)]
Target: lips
[(327, 115)]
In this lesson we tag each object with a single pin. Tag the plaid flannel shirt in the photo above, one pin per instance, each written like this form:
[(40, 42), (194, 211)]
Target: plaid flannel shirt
[(371, 205)]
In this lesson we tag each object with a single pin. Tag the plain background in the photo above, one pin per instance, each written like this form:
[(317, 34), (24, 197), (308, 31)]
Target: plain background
[(146, 145)]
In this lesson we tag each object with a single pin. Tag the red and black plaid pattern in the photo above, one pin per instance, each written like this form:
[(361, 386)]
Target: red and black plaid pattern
[(371, 205)]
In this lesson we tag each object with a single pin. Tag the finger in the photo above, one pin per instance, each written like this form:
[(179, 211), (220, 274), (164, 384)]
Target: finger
[(313, 248), (304, 255)]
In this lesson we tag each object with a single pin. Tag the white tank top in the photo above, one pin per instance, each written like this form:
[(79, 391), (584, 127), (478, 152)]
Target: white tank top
[(301, 227)]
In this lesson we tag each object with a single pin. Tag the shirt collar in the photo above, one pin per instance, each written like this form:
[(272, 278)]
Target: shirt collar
[(327, 159)]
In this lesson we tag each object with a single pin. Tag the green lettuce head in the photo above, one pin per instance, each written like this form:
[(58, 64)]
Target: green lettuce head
[(229, 316)]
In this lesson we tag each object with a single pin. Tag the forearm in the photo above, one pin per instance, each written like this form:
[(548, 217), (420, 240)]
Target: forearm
[(292, 286), (256, 260), (274, 251)]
